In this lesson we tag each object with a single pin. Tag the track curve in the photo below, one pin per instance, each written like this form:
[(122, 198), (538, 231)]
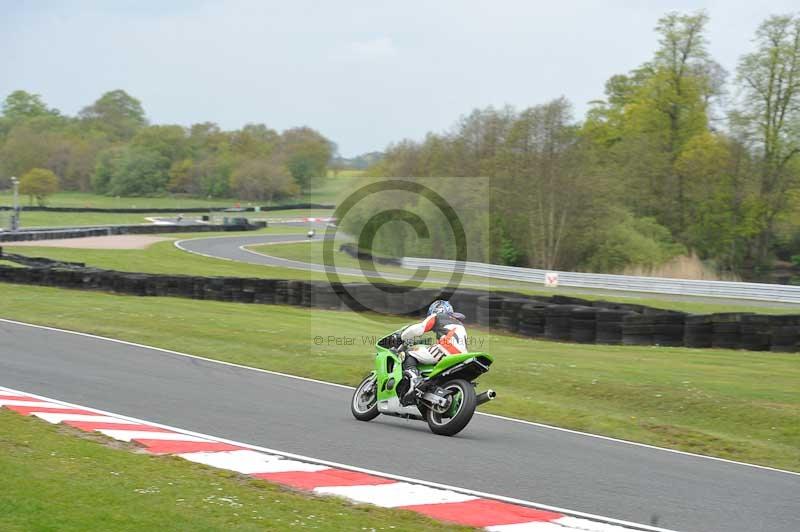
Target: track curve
[(549, 466)]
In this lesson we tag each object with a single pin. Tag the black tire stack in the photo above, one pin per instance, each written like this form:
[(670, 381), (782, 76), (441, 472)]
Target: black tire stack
[(727, 330), (638, 329), (755, 332), (326, 297), (367, 297), (264, 291), (532, 319), (609, 325), (557, 321), (698, 330), (294, 291), (395, 301), (785, 334), (490, 310), (511, 313), (583, 325), (418, 300), (281, 292), (668, 329), (466, 302)]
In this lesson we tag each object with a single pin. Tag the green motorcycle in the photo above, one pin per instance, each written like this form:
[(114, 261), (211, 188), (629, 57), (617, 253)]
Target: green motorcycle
[(445, 398)]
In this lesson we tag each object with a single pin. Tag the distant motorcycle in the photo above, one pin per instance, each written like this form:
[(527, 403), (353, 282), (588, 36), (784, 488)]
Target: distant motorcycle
[(446, 397)]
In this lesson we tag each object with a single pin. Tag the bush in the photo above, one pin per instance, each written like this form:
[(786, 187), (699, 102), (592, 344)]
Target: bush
[(634, 242), (39, 183)]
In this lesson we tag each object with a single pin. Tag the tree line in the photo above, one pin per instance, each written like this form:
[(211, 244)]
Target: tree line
[(678, 157), (111, 148)]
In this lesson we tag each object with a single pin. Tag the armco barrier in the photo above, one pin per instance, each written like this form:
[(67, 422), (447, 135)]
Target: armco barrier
[(660, 285), (53, 234), (555, 318)]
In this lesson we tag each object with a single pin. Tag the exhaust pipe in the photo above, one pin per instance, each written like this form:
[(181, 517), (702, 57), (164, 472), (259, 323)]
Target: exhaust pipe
[(486, 396)]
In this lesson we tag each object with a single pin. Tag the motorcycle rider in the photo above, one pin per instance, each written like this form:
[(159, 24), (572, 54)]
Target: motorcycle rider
[(451, 339)]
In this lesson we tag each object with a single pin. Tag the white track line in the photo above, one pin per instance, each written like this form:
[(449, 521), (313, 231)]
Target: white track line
[(496, 416), (119, 418)]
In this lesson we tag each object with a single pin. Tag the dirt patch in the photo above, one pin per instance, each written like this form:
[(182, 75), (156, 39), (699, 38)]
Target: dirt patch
[(94, 242)]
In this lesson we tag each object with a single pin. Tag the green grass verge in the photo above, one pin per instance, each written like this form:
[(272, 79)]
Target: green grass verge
[(732, 404), (57, 478)]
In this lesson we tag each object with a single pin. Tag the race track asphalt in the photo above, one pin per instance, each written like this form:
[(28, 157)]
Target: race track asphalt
[(545, 465), (229, 247)]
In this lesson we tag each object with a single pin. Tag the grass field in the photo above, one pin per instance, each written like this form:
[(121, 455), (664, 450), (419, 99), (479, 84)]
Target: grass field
[(58, 478), (737, 405)]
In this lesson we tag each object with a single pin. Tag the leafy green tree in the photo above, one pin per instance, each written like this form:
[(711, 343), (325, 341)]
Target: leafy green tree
[(307, 155), (139, 172), (180, 176), (21, 105), (769, 118), (650, 115), (641, 242), (38, 183), (263, 180), (168, 141), (115, 113)]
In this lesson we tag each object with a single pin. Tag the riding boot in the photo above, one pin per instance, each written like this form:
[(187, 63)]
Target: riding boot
[(414, 378)]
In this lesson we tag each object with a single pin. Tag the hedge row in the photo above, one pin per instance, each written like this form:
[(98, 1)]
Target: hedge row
[(24, 236), (555, 318)]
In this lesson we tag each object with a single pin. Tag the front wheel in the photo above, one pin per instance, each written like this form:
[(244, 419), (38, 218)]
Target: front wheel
[(453, 419), (364, 404)]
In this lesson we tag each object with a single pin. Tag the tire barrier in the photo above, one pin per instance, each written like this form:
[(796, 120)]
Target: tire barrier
[(532, 319), (583, 325), (54, 234), (784, 334), (638, 329), (554, 318), (726, 330), (466, 301), (490, 310), (173, 210), (609, 325), (557, 322), (754, 332), (668, 328), (698, 330), (511, 313)]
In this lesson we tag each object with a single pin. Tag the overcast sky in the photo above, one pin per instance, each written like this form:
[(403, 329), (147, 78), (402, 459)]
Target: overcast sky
[(364, 73)]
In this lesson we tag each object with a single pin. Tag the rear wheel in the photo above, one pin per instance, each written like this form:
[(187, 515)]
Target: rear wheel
[(364, 404), (452, 419)]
